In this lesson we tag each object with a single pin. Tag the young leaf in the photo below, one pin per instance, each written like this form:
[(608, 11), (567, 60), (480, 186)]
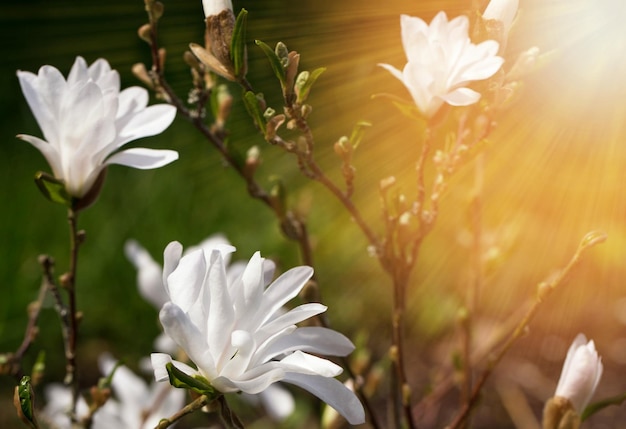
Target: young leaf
[(24, 402), (277, 66), (52, 188), (252, 105), (238, 45), (305, 81), (183, 381)]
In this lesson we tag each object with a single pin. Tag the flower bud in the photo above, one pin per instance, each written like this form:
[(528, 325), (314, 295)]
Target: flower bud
[(503, 11), (214, 7), (581, 373)]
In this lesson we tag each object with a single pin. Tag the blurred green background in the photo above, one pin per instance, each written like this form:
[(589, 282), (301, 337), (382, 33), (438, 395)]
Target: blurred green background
[(555, 170)]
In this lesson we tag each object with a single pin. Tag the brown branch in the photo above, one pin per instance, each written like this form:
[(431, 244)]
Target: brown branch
[(198, 403), (544, 289)]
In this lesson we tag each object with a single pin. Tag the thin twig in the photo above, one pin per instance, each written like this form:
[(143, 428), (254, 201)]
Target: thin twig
[(34, 309), (198, 403), (544, 289)]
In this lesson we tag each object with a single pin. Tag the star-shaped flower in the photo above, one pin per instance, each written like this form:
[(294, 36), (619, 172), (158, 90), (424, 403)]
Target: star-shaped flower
[(238, 337), (442, 61), (86, 119)]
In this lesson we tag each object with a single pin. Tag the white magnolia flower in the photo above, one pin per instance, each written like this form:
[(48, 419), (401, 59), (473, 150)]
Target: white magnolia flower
[(134, 405), (581, 373), (236, 334), (85, 120), (214, 7), (503, 11), (441, 61), (277, 401)]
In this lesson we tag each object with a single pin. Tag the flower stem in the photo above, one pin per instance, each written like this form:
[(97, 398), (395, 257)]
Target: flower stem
[(68, 281), (198, 403)]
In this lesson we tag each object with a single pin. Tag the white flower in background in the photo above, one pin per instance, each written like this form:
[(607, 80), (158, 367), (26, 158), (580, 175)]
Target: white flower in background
[(503, 11), (236, 334), (85, 120), (581, 373), (135, 404), (441, 61), (214, 7), (150, 272)]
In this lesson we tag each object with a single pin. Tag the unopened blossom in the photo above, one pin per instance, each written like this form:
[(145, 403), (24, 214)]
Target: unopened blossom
[(236, 334), (135, 404), (442, 61), (85, 120), (214, 7), (581, 373), (503, 11)]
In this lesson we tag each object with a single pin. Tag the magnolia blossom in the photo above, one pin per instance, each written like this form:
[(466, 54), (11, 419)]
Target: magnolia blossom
[(214, 7), (86, 119), (441, 61), (503, 11), (237, 336), (581, 373), (276, 400), (135, 405)]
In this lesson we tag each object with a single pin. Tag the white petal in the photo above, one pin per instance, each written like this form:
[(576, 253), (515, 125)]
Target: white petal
[(305, 363), (171, 257), (177, 325), (394, 71), (333, 393), (245, 346), (314, 339), (143, 159), (42, 93), (149, 274), (184, 284), (283, 289), (131, 100), (502, 10), (579, 341), (252, 279), (48, 151), (461, 97), (253, 381), (292, 317), (214, 7), (147, 122), (411, 27), (160, 360), (221, 315), (278, 402), (130, 389)]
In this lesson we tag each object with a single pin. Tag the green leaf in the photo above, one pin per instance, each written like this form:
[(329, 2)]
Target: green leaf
[(251, 101), (305, 81), (25, 394), (357, 133), (238, 45), (591, 409), (53, 189), (277, 65), (184, 381)]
